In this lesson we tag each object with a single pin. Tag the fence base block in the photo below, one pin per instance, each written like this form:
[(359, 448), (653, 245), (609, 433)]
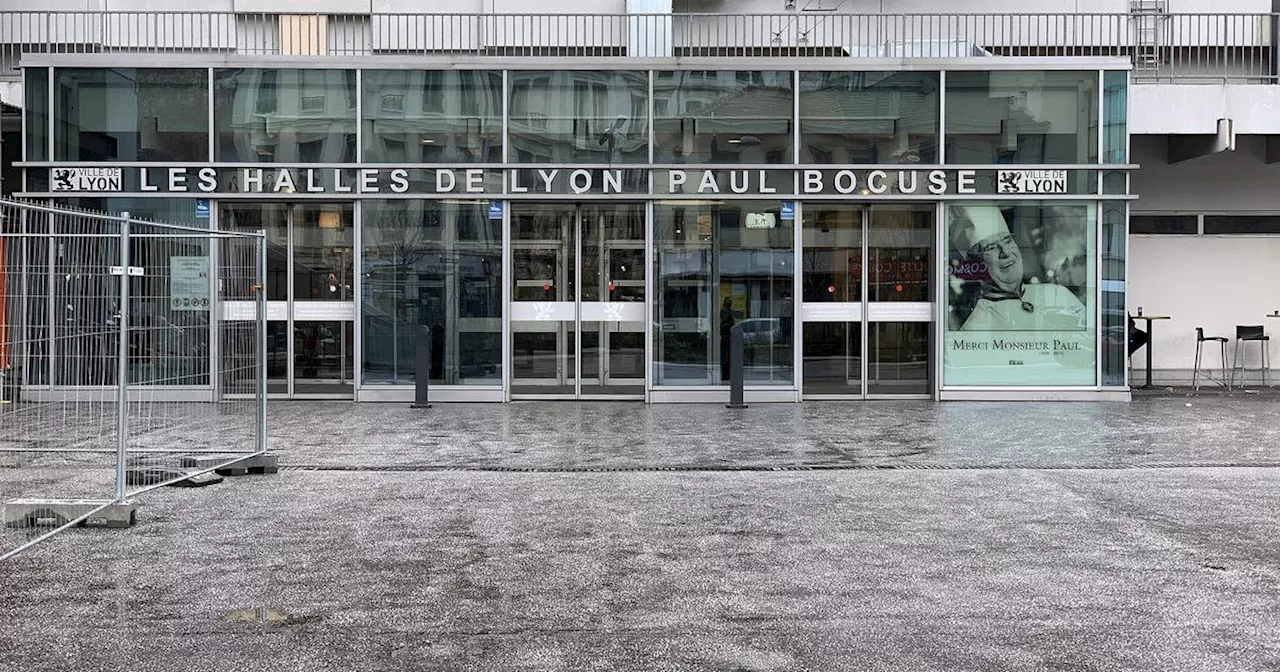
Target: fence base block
[(258, 464), (27, 513)]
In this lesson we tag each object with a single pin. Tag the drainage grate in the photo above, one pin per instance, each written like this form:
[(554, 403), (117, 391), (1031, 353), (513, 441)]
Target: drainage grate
[(764, 468)]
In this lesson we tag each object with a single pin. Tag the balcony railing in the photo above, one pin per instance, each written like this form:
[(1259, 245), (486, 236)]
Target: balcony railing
[(1163, 47)]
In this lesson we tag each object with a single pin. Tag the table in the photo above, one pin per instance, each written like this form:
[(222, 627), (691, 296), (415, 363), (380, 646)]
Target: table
[(1150, 340)]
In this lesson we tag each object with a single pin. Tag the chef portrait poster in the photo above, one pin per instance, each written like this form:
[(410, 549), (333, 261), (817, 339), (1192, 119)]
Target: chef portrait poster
[(1020, 294)]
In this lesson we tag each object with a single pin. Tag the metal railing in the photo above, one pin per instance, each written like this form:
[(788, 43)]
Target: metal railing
[(106, 322), (1162, 46)]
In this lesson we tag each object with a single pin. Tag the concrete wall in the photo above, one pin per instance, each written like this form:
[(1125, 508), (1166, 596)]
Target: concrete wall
[(1196, 108), (1215, 282)]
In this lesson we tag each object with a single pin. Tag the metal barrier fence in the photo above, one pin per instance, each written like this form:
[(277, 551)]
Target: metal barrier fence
[(1162, 46), (121, 370)]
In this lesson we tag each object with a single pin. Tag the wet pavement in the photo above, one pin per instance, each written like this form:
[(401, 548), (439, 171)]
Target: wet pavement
[(542, 536)]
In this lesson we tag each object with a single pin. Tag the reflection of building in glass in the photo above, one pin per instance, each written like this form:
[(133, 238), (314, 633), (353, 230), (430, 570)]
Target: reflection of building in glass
[(432, 116), (869, 117), (285, 115), (579, 116), (723, 116), (434, 264)]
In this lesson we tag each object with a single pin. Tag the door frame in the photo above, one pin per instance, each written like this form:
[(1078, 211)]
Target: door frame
[(563, 325), (285, 311), (864, 311)]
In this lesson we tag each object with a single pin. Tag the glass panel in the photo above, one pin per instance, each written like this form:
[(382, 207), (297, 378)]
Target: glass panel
[(322, 262), (898, 358), (722, 116), (542, 252), (435, 263), (1022, 117), (432, 116), (899, 246), (86, 303), (1021, 296), (323, 357), (613, 358), (278, 358), (1241, 224), (869, 117), (542, 358), (36, 104), (1115, 182), (169, 210), (543, 270), (1114, 320), (274, 218), (833, 358), (613, 252), (579, 116), (718, 265), (285, 116), (832, 264), (1115, 104), (1165, 224), (38, 281), (132, 114)]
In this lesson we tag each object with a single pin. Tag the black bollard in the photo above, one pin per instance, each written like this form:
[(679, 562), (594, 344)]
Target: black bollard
[(422, 368), (735, 367)]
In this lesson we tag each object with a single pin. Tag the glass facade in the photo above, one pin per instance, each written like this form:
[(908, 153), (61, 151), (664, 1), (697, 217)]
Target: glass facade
[(434, 265), (869, 117), (717, 266), (1020, 305), (605, 233), (131, 114), (723, 116), (1030, 117), (284, 115), (431, 116), (36, 107), (579, 116)]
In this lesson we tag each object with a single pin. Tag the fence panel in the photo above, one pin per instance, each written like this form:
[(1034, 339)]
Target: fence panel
[(120, 369)]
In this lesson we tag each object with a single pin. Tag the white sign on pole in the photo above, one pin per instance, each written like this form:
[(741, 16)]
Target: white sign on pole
[(189, 283)]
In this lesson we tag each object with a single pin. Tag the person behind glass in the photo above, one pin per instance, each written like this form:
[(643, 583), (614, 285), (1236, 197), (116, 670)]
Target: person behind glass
[(1007, 302), (786, 318), (726, 336)]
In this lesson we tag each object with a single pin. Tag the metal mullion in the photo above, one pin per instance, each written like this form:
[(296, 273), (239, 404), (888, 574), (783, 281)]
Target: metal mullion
[(357, 330), (506, 140), (942, 117), (211, 134), (215, 301), (359, 95), (939, 298), (1099, 210), (797, 319), (649, 302), (865, 297), (577, 301), (506, 293), (289, 338), (50, 115)]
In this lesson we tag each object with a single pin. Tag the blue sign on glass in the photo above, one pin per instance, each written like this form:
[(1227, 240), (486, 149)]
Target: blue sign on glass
[(495, 209), (788, 210), (202, 208)]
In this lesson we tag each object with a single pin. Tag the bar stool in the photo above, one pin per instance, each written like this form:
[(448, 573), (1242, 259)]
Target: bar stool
[(1222, 344), (1245, 334)]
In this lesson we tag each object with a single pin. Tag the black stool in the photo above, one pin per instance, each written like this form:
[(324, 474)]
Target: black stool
[(1245, 334), (1222, 344)]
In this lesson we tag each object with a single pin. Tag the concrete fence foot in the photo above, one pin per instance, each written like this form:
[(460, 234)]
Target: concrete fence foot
[(258, 464), (32, 513)]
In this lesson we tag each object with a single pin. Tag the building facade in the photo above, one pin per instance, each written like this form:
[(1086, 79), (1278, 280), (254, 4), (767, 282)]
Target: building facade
[(583, 206)]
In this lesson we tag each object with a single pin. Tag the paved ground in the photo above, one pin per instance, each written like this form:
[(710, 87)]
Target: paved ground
[(877, 536)]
